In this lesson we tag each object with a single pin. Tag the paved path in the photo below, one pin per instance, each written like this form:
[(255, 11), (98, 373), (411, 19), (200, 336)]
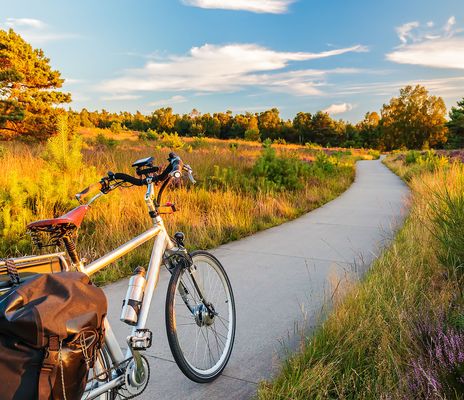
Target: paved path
[(281, 279)]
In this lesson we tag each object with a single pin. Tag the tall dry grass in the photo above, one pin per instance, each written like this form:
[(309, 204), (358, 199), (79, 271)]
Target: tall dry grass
[(226, 204)]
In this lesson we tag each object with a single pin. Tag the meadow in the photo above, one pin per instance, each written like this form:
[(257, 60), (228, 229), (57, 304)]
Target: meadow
[(398, 334), (242, 187)]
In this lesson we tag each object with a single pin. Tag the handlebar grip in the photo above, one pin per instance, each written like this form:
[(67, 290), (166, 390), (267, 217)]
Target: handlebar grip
[(129, 179), (176, 165), (79, 196)]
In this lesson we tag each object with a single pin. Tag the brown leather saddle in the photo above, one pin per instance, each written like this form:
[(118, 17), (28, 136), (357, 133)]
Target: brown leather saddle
[(57, 228)]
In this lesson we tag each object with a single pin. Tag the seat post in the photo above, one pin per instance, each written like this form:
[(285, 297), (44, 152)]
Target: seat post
[(71, 249)]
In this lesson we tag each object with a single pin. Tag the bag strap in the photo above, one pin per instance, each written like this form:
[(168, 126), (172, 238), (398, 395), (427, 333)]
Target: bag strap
[(48, 370), (12, 271)]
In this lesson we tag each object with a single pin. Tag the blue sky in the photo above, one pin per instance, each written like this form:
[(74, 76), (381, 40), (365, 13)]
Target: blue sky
[(347, 57)]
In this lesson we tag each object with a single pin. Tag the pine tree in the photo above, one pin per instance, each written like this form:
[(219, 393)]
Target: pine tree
[(28, 98)]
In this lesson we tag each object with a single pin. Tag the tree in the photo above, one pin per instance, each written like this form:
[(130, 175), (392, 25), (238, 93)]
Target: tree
[(323, 129), (269, 123), (303, 126), (163, 120), (27, 90), (413, 120), (369, 129), (456, 126)]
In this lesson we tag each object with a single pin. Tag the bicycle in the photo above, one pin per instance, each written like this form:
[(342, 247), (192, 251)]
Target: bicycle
[(199, 309)]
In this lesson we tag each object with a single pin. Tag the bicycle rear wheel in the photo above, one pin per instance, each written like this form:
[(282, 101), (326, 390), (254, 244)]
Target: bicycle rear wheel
[(200, 317)]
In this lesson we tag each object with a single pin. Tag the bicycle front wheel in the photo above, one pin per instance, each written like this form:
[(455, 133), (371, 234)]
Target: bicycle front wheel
[(200, 317)]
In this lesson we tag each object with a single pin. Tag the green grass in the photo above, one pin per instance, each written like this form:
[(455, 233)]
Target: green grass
[(369, 343)]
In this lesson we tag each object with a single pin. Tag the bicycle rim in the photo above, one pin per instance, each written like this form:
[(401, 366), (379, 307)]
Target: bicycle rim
[(201, 341)]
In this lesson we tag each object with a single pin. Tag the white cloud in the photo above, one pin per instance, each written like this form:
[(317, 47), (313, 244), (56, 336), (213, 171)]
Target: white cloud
[(232, 67), (439, 86), (256, 6), (120, 97), (404, 31), (167, 102), (34, 30), (25, 22), (442, 48), (338, 108)]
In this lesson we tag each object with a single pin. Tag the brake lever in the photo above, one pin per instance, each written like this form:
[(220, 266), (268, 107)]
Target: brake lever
[(188, 169)]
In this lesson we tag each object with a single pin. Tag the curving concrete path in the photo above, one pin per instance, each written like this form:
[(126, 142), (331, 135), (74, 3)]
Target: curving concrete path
[(282, 279)]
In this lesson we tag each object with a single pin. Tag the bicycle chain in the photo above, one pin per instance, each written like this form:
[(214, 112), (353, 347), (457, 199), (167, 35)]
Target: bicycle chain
[(123, 364), (124, 397)]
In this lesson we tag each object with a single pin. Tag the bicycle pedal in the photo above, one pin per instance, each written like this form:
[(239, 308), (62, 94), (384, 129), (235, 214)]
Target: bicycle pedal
[(141, 340)]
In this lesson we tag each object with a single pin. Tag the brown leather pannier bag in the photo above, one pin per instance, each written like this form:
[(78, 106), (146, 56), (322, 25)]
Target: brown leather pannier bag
[(51, 327)]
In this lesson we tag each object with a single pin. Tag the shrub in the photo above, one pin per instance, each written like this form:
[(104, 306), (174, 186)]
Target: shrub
[(412, 157), (312, 146), (62, 151), (233, 146), (103, 140), (171, 140), (325, 163), (279, 173), (198, 142), (116, 127), (252, 135), (279, 141), (375, 154)]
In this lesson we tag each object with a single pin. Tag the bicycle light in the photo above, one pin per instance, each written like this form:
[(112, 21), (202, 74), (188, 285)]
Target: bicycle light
[(134, 296)]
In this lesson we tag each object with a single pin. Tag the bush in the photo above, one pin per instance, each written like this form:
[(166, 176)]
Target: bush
[(63, 151), (412, 157), (375, 154), (199, 143), (252, 135), (102, 140), (279, 173), (233, 146), (171, 140), (116, 127), (325, 163), (279, 141)]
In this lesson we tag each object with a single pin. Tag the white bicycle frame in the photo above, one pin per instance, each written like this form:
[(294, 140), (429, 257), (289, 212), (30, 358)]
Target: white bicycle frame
[(162, 243)]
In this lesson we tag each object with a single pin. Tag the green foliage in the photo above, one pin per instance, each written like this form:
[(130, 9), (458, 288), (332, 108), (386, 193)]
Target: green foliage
[(150, 134), (27, 94), (414, 120), (252, 135), (199, 143), (374, 153), (413, 157), (456, 126), (116, 127), (279, 172), (63, 151), (325, 163), (233, 147), (103, 140), (171, 141)]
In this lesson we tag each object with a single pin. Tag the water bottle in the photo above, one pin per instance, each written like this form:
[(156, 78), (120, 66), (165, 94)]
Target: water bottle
[(134, 296)]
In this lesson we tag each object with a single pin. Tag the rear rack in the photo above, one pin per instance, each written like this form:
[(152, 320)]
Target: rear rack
[(29, 266)]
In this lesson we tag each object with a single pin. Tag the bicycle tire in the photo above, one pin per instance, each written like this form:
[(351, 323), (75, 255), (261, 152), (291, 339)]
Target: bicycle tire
[(103, 363), (186, 365)]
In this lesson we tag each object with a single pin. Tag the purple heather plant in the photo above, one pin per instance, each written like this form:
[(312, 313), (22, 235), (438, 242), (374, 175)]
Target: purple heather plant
[(438, 370)]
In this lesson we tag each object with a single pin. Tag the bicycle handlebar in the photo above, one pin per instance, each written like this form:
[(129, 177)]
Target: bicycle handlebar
[(173, 170)]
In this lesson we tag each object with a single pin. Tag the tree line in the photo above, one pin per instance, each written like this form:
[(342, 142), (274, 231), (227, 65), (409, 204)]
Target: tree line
[(30, 104)]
